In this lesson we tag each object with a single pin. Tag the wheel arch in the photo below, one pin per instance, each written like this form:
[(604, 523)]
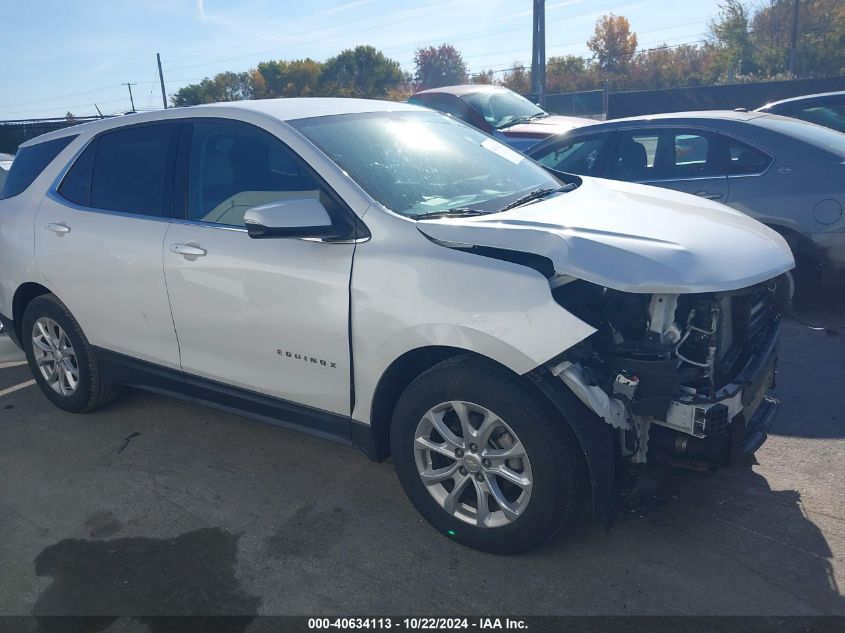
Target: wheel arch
[(393, 382), (24, 294)]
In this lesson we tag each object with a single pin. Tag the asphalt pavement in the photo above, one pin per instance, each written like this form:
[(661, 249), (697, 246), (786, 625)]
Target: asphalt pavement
[(155, 506)]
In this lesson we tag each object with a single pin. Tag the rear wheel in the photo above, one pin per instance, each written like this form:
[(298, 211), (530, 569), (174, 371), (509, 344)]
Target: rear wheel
[(482, 458), (61, 359)]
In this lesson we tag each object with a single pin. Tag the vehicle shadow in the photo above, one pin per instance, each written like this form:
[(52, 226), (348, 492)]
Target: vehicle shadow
[(736, 515), (810, 362)]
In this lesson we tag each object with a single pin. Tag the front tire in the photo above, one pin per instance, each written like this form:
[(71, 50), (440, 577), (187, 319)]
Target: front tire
[(482, 457), (61, 359)]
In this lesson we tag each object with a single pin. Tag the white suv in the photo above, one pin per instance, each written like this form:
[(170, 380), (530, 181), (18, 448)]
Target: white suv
[(385, 276)]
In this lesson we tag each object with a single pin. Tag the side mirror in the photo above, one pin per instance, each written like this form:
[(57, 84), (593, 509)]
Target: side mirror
[(297, 217)]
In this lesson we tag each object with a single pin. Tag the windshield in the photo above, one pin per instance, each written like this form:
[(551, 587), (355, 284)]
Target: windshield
[(421, 163), (501, 108)]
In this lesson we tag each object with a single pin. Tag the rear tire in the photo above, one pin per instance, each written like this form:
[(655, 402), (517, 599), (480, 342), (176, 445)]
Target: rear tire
[(62, 361), (525, 497)]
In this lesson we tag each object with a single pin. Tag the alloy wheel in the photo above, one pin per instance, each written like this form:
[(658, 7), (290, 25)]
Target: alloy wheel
[(473, 464), (55, 356)]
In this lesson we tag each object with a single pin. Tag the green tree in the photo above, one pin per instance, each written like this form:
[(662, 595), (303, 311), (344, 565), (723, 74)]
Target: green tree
[(361, 72), (439, 66), (227, 86), (569, 73), (734, 54), (297, 78), (821, 38), (612, 43)]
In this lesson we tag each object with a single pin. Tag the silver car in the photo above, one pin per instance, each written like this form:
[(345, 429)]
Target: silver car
[(827, 109), (787, 173), (5, 165)]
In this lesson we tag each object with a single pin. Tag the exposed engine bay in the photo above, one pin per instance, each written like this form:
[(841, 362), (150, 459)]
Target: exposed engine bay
[(682, 377)]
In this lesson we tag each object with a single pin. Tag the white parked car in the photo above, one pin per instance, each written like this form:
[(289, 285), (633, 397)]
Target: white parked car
[(385, 276)]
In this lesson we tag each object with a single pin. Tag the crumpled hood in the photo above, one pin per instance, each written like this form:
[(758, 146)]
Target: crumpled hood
[(632, 238), (549, 125)]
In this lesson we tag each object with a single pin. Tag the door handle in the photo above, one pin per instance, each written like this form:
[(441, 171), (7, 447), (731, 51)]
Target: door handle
[(188, 250), (710, 195), (59, 228)]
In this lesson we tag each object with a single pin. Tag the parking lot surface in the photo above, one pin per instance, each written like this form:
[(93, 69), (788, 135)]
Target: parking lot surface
[(155, 506)]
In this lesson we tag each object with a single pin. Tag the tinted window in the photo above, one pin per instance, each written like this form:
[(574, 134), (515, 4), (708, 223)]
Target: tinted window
[(575, 157), (446, 104), (744, 159), (635, 157), (76, 185), (666, 155), (30, 162), (233, 168), (694, 156), (130, 170)]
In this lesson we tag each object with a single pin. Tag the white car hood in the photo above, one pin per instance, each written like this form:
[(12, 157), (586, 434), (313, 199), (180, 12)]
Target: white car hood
[(632, 238)]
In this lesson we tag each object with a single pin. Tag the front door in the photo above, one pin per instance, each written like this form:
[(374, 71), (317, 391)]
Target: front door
[(266, 315)]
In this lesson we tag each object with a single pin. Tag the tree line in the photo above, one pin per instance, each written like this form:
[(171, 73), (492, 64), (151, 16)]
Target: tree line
[(744, 44)]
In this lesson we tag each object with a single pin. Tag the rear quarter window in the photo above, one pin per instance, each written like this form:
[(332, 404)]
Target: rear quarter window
[(30, 162)]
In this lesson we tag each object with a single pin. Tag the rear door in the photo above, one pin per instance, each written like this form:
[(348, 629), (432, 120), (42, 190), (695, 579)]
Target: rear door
[(688, 160), (99, 236)]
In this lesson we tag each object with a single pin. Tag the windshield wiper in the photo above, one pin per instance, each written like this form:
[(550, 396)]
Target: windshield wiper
[(457, 212), (537, 194), (524, 119)]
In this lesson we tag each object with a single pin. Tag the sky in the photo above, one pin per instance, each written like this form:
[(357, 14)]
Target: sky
[(68, 55)]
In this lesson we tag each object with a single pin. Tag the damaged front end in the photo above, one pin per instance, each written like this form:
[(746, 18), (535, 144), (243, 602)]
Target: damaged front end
[(680, 378)]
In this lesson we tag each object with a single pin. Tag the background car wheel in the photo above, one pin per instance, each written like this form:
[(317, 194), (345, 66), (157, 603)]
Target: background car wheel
[(62, 361), (482, 457)]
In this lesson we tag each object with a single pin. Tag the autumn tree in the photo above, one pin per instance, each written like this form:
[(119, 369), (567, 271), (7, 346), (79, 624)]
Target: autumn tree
[(613, 44), (518, 79), (439, 66), (483, 77), (361, 72)]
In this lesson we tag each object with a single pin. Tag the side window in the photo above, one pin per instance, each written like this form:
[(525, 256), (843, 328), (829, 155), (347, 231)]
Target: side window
[(744, 159), (575, 156), (232, 168), (635, 157), (76, 186), (693, 155), (30, 162), (448, 105), (130, 170)]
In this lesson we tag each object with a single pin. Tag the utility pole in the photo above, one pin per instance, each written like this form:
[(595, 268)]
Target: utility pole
[(161, 80), (793, 53), (131, 100), (98, 110), (538, 52)]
